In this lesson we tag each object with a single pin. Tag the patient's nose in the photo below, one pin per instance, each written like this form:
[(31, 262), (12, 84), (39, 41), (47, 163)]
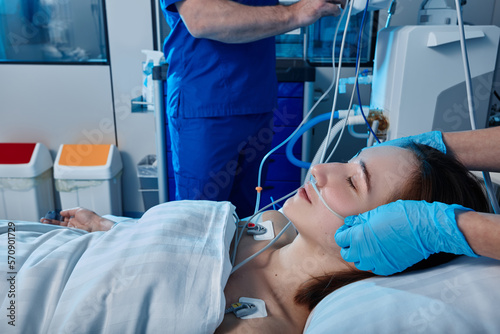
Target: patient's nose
[(320, 173)]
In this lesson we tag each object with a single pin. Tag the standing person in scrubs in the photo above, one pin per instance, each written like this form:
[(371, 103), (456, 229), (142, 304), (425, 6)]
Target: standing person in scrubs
[(222, 90)]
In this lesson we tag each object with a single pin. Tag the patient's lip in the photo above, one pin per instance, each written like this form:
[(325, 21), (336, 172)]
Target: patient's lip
[(303, 193)]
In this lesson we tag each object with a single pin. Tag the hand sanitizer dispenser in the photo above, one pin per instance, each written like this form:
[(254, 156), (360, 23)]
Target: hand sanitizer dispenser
[(153, 58)]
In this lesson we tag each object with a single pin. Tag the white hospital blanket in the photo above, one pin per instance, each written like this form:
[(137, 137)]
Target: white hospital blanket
[(165, 274)]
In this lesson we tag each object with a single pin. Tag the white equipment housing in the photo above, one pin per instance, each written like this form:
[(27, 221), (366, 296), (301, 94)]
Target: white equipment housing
[(419, 80), (359, 5), (433, 12)]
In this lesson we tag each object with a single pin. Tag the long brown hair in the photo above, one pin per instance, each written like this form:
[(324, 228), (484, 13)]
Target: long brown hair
[(438, 178)]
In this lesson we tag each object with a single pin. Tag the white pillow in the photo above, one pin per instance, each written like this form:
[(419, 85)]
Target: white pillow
[(462, 296)]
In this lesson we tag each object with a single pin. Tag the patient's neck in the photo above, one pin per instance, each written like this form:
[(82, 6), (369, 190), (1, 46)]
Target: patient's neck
[(286, 269), (292, 265), (304, 258)]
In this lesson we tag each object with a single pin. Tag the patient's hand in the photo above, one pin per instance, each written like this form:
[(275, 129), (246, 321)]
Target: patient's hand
[(82, 219)]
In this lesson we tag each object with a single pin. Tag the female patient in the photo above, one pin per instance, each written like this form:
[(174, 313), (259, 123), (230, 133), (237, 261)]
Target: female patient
[(301, 268)]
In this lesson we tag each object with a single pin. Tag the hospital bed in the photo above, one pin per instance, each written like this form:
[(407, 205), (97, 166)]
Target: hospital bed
[(130, 287)]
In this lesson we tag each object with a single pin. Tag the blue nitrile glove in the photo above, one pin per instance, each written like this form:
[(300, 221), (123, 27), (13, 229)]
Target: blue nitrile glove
[(433, 139), (397, 235)]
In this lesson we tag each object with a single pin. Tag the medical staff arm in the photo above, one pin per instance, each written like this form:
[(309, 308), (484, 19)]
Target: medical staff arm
[(397, 235), (482, 232), (231, 22), (477, 150)]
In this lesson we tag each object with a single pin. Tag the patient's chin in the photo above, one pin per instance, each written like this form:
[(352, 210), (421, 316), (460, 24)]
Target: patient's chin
[(287, 205)]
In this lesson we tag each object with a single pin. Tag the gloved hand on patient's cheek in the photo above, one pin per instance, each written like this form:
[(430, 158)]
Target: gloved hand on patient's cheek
[(395, 236), (433, 139)]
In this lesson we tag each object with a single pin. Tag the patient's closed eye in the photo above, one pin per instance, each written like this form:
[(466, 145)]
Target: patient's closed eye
[(351, 184)]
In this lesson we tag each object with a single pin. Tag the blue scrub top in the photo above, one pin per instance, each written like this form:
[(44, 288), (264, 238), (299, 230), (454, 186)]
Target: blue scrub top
[(207, 78)]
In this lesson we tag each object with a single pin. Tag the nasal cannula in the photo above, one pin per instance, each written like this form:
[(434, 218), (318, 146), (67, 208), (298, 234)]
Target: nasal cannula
[(313, 182)]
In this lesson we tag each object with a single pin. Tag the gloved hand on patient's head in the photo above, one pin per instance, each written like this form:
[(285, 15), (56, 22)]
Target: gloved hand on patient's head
[(395, 236), (433, 139)]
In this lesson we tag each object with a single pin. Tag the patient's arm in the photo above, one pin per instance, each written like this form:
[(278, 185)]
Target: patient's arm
[(82, 219), (482, 232)]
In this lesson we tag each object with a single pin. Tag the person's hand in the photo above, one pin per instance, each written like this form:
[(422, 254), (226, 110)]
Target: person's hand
[(309, 11), (433, 139), (82, 219), (397, 235)]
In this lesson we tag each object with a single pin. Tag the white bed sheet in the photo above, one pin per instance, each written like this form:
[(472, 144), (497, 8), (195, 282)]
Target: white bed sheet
[(164, 274)]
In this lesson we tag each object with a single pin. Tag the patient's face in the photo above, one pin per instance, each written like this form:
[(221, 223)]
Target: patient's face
[(365, 182)]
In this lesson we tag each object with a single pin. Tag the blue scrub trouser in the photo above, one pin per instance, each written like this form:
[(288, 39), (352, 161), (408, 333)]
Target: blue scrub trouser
[(218, 158)]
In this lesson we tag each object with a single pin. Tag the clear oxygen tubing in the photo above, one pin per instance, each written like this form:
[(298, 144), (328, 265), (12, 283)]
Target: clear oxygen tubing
[(339, 126), (238, 237), (358, 53), (259, 182), (468, 86), (327, 139), (373, 135), (330, 135), (356, 83), (335, 95), (257, 211), (336, 128), (327, 143), (313, 183), (333, 130)]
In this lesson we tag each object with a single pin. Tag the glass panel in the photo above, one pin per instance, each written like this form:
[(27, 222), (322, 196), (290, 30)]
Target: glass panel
[(53, 31), (320, 39), (290, 45)]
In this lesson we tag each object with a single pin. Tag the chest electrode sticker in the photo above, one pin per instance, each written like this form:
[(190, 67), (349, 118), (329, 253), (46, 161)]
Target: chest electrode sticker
[(269, 233), (259, 303)]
